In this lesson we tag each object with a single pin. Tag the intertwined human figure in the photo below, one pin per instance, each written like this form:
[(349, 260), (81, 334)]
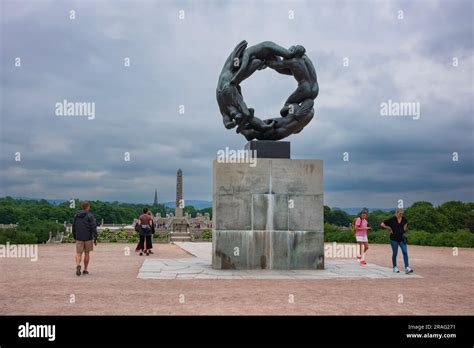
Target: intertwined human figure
[(298, 109)]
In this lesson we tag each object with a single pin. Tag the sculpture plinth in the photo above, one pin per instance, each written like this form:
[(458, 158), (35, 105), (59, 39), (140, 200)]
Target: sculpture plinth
[(269, 148), (269, 216)]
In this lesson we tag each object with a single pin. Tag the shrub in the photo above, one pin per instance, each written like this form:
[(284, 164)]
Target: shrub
[(334, 233), (13, 236), (463, 238), (459, 238), (206, 234), (329, 228), (419, 237), (105, 235), (442, 239), (40, 228), (122, 234), (160, 237), (68, 238), (133, 239), (378, 237)]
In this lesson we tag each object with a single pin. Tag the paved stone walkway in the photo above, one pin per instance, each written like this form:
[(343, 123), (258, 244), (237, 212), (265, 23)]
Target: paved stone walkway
[(44, 287), (199, 267)]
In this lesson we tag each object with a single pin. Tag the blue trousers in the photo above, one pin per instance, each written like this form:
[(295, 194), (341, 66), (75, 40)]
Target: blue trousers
[(395, 246)]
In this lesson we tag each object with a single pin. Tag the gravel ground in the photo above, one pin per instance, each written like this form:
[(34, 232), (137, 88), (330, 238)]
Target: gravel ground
[(48, 286)]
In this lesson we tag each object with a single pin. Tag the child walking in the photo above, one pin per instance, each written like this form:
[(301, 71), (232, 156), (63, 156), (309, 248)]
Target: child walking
[(361, 229)]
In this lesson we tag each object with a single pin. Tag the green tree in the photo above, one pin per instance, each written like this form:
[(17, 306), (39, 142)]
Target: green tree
[(8, 215), (338, 217), (470, 223), (206, 210), (327, 213), (423, 216), (457, 213), (159, 208), (190, 209), (376, 217), (40, 228)]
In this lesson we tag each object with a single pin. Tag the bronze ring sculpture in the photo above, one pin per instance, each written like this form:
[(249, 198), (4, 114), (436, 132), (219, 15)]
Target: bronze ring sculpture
[(298, 109)]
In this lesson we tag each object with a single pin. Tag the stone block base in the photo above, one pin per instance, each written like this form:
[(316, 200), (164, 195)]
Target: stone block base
[(268, 216), (267, 250)]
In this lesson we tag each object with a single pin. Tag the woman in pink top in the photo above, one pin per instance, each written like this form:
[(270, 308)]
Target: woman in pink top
[(361, 229)]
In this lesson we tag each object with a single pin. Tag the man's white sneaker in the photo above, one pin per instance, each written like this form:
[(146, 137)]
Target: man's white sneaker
[(408, 270), (395, 270)]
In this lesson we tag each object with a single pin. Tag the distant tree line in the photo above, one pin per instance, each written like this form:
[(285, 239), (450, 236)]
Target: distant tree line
[(36, 218), (442, 225)]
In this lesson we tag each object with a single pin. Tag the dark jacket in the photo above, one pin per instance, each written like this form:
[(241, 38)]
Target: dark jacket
[(84, 226), (145, 230)]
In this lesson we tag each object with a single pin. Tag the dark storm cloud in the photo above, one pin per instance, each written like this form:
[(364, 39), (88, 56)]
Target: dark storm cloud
[(177, 62)]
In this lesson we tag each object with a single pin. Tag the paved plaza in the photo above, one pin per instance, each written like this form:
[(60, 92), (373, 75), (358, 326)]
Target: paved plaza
[(199, 267), (441, 284)]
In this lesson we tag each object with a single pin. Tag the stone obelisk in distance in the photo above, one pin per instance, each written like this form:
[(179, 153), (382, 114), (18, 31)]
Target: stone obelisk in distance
[(179, 224), (179, 193)]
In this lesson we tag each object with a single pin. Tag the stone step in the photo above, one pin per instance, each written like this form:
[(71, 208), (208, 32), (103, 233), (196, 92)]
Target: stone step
[(180, 234), (181, 239)]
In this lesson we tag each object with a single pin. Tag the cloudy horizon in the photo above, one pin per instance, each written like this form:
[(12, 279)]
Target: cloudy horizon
[(366, 53)]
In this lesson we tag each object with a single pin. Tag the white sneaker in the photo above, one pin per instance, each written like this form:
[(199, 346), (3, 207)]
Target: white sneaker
[(408, 270), (395, 270)]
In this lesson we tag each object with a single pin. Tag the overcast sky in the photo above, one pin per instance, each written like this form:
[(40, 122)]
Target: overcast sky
[(177, 62)]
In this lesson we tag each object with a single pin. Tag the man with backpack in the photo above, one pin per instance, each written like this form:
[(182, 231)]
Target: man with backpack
[(84, 232)]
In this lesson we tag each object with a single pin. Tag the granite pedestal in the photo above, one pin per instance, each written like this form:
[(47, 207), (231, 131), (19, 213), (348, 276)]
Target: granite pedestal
[(269, 216)]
